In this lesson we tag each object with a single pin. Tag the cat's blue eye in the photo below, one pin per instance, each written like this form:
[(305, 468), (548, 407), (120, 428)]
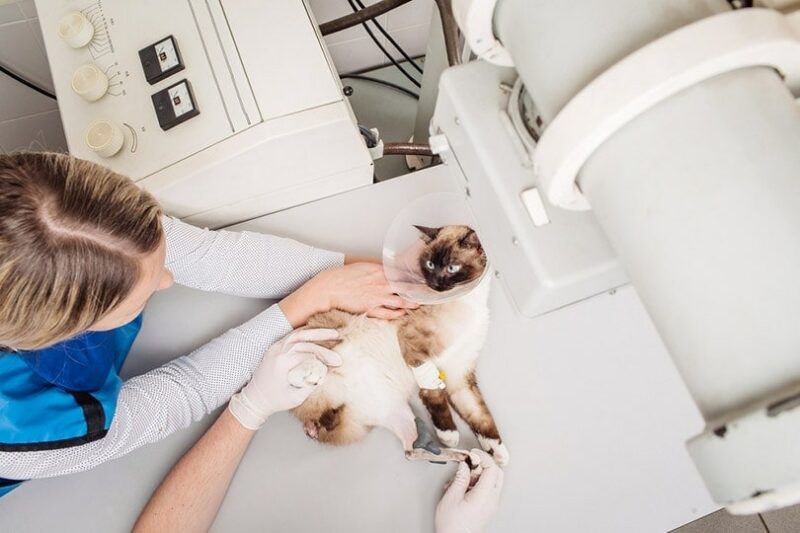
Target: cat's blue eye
[(429, 265), (453, 268)]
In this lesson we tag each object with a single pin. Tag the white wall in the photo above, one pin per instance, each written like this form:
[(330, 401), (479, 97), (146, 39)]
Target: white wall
[(29, 120), (353, 50)]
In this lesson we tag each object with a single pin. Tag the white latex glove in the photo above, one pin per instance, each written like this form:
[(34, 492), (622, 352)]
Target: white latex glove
[(464, 510), (286, 376), (427, 376)]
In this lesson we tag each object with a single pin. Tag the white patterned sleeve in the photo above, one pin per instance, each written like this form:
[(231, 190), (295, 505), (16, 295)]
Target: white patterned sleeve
[(152, 406), (241, 263)]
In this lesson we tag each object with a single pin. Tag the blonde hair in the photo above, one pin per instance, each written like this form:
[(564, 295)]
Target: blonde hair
[(72, 234)]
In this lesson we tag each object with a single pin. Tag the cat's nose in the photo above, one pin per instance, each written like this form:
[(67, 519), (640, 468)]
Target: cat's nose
[(440, 285)]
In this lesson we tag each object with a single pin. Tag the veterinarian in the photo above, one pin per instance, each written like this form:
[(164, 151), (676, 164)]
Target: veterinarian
[(82, 249)]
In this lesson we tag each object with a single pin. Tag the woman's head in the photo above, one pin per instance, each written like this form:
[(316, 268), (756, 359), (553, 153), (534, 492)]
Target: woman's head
[(81, 248)]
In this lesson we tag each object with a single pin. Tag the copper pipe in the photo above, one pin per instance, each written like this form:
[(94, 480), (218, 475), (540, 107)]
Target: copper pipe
[(450, 29), (407, 149), (360, 16)]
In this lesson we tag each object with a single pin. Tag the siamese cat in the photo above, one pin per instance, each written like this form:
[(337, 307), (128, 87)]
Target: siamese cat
[(432, 351)]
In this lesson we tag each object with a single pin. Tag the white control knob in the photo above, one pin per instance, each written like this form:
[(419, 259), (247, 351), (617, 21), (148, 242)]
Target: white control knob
[(76, 30), (104, 138), (90, 82)]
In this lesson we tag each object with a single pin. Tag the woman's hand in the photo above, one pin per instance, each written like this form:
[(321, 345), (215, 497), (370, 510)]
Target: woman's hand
[(357, 288), (286, 376), (362, 288), (468, 510)]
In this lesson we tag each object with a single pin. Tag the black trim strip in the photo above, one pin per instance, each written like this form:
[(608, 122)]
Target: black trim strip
[(9, 482), (52, 445), (95, 418), (92, 411)]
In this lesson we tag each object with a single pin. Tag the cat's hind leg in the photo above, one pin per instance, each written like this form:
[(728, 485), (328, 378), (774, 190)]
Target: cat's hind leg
[(436, 402), (400, 421), (467, 399)]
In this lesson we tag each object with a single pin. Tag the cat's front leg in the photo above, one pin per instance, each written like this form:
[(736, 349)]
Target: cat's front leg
[(418, 345), (467, 399), (436, 402)]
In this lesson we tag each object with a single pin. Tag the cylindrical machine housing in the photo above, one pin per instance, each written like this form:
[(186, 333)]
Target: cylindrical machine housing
[(699, 196)]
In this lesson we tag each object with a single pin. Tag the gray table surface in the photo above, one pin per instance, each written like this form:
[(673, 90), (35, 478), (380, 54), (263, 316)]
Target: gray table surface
[(593, 412)]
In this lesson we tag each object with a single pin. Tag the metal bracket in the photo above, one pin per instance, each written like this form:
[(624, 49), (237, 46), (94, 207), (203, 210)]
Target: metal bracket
[(750, 464), (475, 18)]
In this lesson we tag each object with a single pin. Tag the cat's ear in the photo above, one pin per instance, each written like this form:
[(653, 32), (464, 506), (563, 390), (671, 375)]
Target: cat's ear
[(470, 240), (428, 234)]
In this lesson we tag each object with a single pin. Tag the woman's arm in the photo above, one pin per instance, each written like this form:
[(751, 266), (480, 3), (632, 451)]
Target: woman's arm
[(190, 496), (265, 266), (154, 405), (241, 263)]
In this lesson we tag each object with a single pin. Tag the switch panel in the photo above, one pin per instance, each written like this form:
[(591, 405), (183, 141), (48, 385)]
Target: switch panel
[(161, 60), (174, 105)]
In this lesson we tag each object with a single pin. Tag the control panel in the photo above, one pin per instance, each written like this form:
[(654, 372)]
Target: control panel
[(195, 99), (121, 62)]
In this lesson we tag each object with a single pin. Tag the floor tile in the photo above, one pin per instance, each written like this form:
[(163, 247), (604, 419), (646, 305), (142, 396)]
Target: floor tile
[(783, 521), (724, 522)]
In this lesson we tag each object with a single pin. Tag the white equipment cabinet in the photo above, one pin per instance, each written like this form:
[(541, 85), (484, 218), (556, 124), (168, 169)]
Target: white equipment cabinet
[(224, 109)]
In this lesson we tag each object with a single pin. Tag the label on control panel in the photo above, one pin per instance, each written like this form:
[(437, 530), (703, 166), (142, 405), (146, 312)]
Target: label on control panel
[(174, 105)]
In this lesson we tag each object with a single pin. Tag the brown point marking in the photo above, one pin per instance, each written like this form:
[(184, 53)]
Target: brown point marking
[(436, 403), (334, 319), (418, 340), (480, 420), (330, 418)]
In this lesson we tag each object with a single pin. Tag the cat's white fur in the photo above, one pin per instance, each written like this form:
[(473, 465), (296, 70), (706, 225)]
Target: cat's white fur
[(376, 384)]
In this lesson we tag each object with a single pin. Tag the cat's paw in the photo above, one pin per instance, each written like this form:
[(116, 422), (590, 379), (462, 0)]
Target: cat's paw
[(448, 437), (309, 372), (496, 448)]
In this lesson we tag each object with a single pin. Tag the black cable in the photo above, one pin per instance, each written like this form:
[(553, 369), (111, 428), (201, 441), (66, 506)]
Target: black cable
[(16, 77), (354, 19), (389, 84), (391, 40), (384, 50), (369, 136)]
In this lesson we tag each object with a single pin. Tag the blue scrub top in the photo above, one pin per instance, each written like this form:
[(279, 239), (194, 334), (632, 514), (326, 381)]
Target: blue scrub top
[(63, 395)]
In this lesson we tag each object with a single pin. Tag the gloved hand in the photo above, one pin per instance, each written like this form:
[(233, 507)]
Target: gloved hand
[(286, 376), (464, 510)]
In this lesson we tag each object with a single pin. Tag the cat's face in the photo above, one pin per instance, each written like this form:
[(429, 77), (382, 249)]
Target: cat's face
[(452, 256)]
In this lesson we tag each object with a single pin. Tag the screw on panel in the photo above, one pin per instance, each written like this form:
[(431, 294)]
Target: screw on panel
[(347, 90), (457, 121), (514, 241), (497, 273)]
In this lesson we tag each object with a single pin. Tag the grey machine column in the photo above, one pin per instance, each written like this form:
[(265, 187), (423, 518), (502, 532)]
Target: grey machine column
[(700, 197)]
